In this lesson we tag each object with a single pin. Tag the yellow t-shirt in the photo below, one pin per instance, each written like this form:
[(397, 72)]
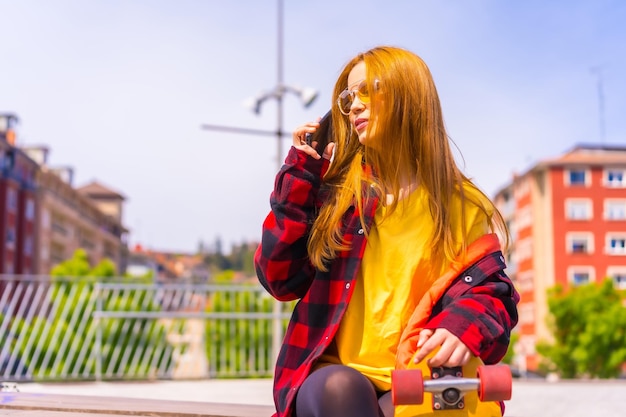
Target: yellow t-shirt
[(395, 273)]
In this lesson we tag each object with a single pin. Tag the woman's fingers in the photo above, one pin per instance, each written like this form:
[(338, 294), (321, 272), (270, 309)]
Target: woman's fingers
[(452, 352), (300, 141), (329, 151), (299, 134)]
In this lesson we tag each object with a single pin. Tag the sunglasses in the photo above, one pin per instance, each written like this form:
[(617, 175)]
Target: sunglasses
[(346, 98)]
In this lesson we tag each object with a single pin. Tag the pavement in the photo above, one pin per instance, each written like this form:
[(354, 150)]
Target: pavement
[(531, 398)]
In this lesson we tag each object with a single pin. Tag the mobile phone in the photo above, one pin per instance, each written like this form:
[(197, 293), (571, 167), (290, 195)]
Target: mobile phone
[(323, 134)]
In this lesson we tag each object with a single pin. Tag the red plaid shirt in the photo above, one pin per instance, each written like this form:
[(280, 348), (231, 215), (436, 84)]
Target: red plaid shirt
[(481, 314)]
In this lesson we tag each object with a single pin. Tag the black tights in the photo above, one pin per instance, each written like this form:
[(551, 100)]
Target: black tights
[(340, 391)]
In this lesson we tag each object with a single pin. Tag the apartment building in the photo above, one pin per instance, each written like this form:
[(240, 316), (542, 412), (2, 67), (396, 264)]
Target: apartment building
[(18, 178), (44, 218), (69, 219), (567, 218)]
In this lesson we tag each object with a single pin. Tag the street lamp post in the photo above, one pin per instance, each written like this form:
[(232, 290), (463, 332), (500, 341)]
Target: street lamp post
[(307, 97)]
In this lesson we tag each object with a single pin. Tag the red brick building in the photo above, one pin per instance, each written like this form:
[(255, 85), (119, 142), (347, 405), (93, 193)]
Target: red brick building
[(567, 216), (18, 179)]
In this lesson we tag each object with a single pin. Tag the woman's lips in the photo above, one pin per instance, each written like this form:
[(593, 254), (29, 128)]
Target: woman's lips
[(360, 124)]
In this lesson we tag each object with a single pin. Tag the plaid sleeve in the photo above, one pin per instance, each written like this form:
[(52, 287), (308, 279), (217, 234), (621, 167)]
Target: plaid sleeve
[(281, 260), (480, 308)]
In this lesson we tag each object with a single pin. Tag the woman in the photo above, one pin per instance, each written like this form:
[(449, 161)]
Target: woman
[(363, 240)]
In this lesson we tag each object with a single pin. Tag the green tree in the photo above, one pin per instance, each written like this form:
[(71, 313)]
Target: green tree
[(104, 269), (224, 277), (79, 266), (588, 323), (242, 258), (510, 353), (76, 266)]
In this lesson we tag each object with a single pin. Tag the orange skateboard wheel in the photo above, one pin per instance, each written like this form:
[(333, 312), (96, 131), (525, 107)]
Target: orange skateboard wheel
[(407, 386), (495, 383)]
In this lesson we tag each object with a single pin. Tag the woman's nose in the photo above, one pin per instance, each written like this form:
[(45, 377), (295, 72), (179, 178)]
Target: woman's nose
[(357, 104)]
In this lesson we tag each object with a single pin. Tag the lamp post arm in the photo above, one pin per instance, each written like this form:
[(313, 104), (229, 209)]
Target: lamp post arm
[(242, 130)]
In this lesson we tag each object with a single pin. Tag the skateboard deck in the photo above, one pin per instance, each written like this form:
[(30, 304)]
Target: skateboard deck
[(473, 390)]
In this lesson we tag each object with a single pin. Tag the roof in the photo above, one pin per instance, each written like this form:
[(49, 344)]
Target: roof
[(582, 154), (588, 154), (95, 189)]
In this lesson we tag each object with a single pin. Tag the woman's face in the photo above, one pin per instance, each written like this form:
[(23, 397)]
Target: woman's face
[(359, 112)]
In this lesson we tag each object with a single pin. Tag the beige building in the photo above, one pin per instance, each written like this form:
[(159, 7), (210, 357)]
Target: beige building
[(68, 218)]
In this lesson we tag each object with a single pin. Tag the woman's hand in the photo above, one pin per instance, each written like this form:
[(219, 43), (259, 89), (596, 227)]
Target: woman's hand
[(299, 141), (452, 352)]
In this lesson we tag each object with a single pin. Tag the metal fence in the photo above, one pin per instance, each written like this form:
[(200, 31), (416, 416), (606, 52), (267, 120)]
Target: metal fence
[(85, 329)]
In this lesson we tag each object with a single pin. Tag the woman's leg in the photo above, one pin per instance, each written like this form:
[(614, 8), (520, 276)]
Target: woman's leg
[(386, 405), (337, 391)]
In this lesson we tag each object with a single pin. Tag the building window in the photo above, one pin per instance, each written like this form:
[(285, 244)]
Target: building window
[(525, 281), (523, 250), (9, 239), (576, 177), (580, 275), (527, 313), (578, 209), (579, 242), (28, 246), (45, 218), (524, 218), (30, 210), (11, 200), (616, 244), (7, 160), (521, 189), (615, 178), (580, 278), (615, 209), (618, 275)]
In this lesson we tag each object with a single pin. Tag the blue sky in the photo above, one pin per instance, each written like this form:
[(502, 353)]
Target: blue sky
[(119, 89)]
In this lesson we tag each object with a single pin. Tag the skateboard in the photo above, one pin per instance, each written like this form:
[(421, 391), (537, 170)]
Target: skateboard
[(473, 390)]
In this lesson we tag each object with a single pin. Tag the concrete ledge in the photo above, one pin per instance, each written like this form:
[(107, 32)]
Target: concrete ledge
[(81, 405)]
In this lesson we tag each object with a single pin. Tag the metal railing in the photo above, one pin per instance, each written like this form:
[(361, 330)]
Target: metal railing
[(85, 329)]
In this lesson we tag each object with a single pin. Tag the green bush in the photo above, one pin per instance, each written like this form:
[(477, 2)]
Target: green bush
[(588, 323)]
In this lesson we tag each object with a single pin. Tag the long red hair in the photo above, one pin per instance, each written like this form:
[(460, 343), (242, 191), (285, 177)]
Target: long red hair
[(407, 145)]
